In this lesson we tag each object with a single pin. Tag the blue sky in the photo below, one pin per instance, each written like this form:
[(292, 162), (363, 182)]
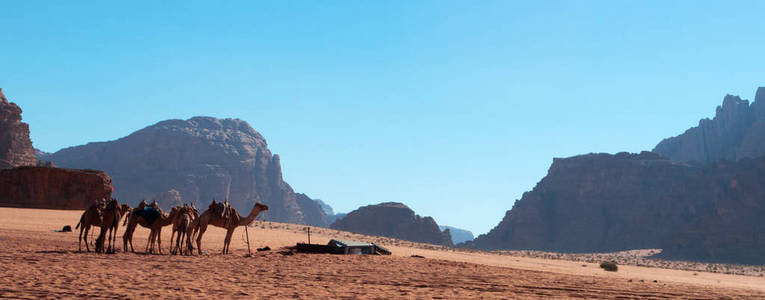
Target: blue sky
[(454, 108)]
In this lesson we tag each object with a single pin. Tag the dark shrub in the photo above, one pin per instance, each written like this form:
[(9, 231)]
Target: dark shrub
[(609, 266)]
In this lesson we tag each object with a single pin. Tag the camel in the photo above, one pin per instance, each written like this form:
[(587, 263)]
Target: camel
[(161, 220), (182, 224), (91, 217), (111, 216), (131, 220), (209, 217)]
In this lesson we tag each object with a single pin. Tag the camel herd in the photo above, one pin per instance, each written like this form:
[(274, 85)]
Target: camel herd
[(187, 223)]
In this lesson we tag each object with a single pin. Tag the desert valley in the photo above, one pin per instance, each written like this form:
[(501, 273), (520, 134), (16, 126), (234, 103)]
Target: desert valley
[(41, 260), (382, 149)]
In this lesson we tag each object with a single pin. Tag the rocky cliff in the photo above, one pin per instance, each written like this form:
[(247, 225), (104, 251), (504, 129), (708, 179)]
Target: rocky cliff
[(202, 158), (602, 203), (15, 146), (737, 131), (313, 211), (53, 188), (394, 220)]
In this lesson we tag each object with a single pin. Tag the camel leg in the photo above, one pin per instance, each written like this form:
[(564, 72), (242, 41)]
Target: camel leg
[(79, 244), (202, 229), (227, 241), (189, 246), (150, 242), (172, 235), (159, 240), (86, 239)]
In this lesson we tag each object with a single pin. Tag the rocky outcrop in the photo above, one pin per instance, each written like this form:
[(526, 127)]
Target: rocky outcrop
[(458, 235), (394, 220), (15, 146), (313, 212), (202, 158), (169, 199), (53, 188), (737, 131), (602, 202)]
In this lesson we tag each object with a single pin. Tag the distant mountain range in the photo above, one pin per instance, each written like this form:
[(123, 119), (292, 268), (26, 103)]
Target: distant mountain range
[(698, 196)]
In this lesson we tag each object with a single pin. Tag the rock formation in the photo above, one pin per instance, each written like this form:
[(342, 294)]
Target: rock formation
[(737, 131), (53, 188), (698, 196), (313, 212), (458, 235), (202, 158), (15, 146), (169, 199), (394, 220)]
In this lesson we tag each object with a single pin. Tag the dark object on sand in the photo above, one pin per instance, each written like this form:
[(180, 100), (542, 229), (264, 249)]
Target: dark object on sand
[(343, 247), (609, 266), (266, 248), (417, 256), (66, 228)]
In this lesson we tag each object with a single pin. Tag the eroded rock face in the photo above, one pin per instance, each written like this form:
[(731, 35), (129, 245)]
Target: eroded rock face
[(737, 131), (202, 158), (15, 146), (394, 220), (604, 203), (52, 188), (313, 212), (169, 199)]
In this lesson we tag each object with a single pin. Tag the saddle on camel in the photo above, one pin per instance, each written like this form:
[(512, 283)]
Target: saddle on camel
[(225, 212)]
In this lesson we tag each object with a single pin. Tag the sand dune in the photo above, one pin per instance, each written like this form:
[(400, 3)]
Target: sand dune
[(38, 262)]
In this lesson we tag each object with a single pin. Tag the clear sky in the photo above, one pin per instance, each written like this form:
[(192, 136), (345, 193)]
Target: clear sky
[(453, 108)]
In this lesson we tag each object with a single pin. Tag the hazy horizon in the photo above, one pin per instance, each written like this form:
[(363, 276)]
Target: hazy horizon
[(455, 109)]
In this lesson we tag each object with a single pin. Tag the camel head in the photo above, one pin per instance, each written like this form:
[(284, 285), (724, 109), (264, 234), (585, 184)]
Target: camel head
[(212, 204), (260, 206)]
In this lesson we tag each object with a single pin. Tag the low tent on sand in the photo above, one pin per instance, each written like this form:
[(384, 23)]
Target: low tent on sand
[(343, 247)]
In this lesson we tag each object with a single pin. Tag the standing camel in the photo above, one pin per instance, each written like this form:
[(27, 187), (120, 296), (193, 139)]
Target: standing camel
[(149, 216), (209, 217), (91, 217), (132, 220), (112, 214), (182, 224)]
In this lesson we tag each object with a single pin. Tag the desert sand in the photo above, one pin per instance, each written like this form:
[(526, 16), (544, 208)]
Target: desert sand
[(36, 262)]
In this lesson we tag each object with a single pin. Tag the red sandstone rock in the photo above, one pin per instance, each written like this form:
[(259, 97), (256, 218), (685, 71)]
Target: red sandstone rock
[(15, 146), (53, 188)]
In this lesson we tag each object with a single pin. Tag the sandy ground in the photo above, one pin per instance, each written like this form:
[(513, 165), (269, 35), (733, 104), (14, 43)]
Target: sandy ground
[(36, 262)]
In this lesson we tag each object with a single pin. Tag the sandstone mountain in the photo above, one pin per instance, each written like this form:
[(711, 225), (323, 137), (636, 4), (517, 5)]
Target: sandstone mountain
[(705, 201), (202, 158), (394, 220), (737, 131), (15, 146)]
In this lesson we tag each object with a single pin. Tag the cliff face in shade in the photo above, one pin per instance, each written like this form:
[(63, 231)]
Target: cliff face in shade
[(394, 220), (313, 212), (737, 131), (15, 146), (202, 158), (602, 202), (734, 231), (52, 188)]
